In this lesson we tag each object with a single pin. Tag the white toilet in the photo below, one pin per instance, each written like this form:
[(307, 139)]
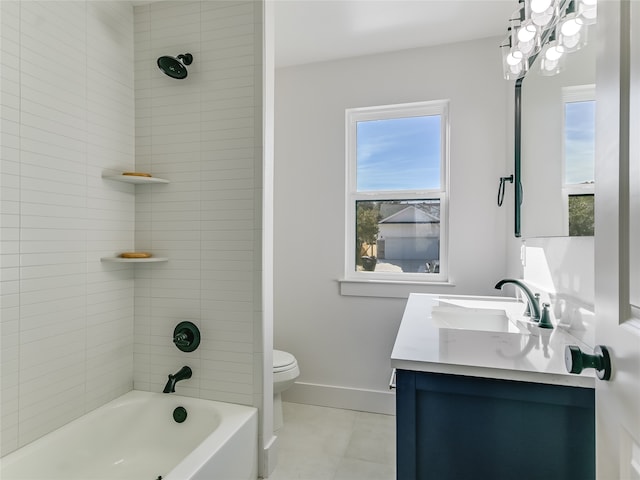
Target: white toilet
[(285, 372)]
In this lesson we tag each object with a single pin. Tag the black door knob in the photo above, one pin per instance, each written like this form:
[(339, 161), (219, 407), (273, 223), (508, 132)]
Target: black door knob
[(576, 360)]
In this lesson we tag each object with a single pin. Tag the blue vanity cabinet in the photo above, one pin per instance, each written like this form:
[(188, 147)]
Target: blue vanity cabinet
[(466, 428)]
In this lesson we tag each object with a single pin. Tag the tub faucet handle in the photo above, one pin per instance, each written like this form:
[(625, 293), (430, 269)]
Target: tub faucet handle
[(182, 340), (186, 336), (545, 317)]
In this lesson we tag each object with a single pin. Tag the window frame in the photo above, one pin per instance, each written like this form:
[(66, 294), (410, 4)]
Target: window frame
[(388, 112), (573, 94)]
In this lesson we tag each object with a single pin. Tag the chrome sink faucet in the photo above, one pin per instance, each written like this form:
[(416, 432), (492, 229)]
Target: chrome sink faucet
[(182, 374), (534, 305)]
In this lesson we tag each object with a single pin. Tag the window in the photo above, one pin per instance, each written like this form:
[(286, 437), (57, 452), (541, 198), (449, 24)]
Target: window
[(579, 159), (397, 158)]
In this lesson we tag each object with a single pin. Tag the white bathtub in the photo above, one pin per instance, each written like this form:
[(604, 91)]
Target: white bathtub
[(135, 437)]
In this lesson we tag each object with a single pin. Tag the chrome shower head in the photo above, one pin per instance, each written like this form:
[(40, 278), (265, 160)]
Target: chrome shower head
[(175, 66)]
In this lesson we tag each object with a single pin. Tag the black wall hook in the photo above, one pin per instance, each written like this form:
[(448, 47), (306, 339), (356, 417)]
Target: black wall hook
[(501, 188)]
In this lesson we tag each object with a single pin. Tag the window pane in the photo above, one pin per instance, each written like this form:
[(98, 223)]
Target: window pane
[(399, 154), (398, 236), (580, 123), (581, 215)]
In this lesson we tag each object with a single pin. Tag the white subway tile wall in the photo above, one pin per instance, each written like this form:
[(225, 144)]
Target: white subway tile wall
[(9, 223), (67, 99), (203, 133), (80, 96)]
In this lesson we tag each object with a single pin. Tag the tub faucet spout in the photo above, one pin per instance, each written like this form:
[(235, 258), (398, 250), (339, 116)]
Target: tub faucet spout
[(182, 374), (534, 306)]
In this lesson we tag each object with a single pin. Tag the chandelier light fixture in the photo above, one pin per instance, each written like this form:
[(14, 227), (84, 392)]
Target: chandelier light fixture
[(549, 29)]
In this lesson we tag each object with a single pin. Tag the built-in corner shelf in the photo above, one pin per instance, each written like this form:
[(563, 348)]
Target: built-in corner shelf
[(138, 180), (134, 260)]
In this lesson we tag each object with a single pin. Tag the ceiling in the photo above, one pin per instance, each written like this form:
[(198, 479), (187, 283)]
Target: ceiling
[(308, 31)]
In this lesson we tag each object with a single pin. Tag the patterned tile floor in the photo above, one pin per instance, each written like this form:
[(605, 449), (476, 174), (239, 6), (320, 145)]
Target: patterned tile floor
[(320, 443)]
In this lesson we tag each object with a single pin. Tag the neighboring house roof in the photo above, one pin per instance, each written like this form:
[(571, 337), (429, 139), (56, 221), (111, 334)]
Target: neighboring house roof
[(412, 214)]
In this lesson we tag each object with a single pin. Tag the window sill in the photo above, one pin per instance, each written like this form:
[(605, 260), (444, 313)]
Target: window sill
[(388, 288)]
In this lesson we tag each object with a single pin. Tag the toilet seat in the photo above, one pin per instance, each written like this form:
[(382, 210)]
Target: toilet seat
[(283, 361)]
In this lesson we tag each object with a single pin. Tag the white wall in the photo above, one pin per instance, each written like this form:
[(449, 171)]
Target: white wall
[(562, 266), (343, 343), (562, 270), (67, 99), (203, 134)]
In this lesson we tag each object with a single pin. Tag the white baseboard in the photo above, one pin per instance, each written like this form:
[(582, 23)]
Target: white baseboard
[(374, 401)]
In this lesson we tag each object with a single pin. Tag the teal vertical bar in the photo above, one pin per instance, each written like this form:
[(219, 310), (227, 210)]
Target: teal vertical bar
[(517, 156)]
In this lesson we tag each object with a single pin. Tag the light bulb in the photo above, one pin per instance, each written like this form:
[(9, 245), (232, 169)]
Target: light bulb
[(515, 69), (527, 32), (550, 65), (514, 58), (513, 63), (572, 43), (554, 53), (526, 47), (552, 58), (542, 19), (571, 26), (539, 6), (572, 36), (588, 11)]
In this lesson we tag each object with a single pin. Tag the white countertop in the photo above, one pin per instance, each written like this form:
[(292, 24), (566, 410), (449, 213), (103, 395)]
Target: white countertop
[(525, 353)]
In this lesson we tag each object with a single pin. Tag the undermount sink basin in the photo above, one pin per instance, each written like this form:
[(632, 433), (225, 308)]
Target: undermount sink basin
[(489, 320), (479, 315)]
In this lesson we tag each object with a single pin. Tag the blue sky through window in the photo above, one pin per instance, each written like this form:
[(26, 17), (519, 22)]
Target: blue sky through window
[(580, 118), (399, 154)]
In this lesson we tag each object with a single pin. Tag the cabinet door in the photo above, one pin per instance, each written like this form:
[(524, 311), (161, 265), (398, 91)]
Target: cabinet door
[(457, 427)]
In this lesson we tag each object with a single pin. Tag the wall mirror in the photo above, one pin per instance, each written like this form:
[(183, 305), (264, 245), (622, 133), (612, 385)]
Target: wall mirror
[(557, 147)]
